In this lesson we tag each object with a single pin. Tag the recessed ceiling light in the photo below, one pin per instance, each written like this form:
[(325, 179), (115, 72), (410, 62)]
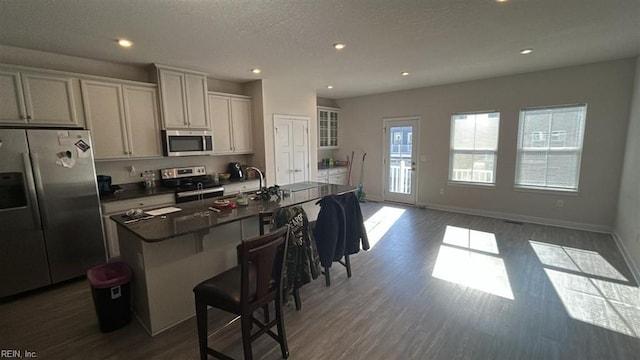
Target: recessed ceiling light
[(526, 51), (501, 1), (125, 43), (330, 87), (404, 73), (339, 46), (256, 71)]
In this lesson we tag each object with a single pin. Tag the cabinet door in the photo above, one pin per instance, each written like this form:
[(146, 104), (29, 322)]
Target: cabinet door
[(11, 102), (241, 122), (339, 179), (333, 129), (49, 99), (174, 111), (220, 110), (111, 236), (141, 113), (323, 128), (196, 97), (105, 118)]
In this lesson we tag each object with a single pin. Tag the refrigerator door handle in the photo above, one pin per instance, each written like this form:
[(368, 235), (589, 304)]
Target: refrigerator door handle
[(38, 186), (32, 189)]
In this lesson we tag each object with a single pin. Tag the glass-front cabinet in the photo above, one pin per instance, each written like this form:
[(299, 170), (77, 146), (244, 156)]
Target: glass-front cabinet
[(328, 127)]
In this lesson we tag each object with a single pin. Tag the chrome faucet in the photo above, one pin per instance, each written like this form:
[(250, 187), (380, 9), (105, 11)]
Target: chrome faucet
[(261, 177)]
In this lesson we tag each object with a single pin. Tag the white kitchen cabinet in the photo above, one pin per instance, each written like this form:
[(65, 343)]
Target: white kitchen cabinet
[(323, 176), (121, 206), (338, 176), (123, 119), (183, 98), (39, 98), (328, 127), (231, 123)]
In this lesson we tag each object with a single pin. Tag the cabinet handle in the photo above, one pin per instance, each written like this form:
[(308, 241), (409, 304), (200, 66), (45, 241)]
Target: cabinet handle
[(23, 117), (28, 117)]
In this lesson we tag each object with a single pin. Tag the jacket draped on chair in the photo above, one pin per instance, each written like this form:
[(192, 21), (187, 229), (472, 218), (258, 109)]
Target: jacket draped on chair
[(302, 262), (339, 229)]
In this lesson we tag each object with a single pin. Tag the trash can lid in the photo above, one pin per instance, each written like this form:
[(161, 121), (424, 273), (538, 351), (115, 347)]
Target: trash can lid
[(109, 275)]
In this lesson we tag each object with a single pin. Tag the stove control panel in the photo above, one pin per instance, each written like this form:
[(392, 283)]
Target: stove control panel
[(177, 173)]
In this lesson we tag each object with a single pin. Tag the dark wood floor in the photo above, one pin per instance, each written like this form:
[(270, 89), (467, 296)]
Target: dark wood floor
[(394, 307)]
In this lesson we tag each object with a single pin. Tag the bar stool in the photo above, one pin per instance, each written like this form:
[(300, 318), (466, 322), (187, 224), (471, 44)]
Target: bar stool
[(253, 284)]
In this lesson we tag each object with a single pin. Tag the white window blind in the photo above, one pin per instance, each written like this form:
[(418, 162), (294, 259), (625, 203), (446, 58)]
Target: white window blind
[(550, 147), (474, 144)]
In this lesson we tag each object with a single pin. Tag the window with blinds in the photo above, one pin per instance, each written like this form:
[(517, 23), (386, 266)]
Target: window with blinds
[(550, 147), (474, 146)]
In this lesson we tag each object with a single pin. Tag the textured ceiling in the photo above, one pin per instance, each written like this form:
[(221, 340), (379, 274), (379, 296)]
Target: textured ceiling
[(437, 41)]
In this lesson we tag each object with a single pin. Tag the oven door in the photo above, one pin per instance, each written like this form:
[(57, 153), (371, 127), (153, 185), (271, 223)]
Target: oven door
[(192, 195), (187, 143)]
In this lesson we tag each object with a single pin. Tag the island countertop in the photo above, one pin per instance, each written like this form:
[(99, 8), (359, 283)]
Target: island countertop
[(195, 216)]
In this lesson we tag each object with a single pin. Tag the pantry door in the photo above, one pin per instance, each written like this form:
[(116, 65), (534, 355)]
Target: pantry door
[(291, 134)]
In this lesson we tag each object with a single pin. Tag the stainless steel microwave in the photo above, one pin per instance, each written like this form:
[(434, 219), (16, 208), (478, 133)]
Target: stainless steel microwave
[(187, 142)]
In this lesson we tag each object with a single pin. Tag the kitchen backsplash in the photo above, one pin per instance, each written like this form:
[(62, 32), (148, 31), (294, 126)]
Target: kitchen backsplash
[(120, 170)]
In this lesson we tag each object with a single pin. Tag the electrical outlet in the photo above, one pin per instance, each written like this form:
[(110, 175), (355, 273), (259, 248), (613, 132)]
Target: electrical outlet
[(132, 170), (441, 191), (560, 203)]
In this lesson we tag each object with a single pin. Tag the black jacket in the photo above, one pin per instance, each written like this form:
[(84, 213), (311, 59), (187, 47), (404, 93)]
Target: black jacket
[(339, 228)]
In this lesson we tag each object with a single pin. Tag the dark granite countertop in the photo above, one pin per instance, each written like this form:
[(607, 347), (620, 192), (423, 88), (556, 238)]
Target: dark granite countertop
[(135, 190), (190, 220)]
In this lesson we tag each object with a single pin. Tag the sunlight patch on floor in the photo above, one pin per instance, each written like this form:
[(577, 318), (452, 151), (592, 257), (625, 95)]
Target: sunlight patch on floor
[(585, 261), (379, 223), (597, 301), (478, 267)]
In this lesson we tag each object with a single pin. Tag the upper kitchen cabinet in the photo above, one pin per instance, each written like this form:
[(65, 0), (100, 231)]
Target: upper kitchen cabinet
[(328, 127), (39, 98), (123, 119), (183, 98), (231, 123)]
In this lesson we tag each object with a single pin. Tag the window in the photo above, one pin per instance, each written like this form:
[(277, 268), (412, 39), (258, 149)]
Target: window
[(474, 144), (551, 161), (410, 138), (397, 139)]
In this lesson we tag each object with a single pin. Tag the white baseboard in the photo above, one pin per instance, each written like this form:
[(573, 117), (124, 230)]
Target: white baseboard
[(523, 218), (627, 257)]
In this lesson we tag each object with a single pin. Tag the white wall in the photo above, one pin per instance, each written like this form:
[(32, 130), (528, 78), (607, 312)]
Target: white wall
[(119, 169), (606, 89), (288, 98), (34, 58), (627, 225)]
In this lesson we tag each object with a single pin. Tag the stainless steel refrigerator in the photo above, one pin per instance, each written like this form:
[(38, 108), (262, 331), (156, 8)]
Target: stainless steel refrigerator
[(50, 223)]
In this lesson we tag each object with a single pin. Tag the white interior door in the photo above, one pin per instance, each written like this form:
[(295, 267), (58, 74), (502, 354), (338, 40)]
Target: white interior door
[(291, 134), (400, 159)]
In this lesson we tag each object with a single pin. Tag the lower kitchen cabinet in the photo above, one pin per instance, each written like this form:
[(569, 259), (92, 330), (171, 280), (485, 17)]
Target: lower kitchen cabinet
[(123, 119), (333, 176), (120, 206)]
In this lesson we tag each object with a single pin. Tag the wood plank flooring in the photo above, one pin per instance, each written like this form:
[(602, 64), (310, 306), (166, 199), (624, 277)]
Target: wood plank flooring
[(393, 307)]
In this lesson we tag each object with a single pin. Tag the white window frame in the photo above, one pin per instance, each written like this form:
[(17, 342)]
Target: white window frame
[(452, 152), (577, 150)]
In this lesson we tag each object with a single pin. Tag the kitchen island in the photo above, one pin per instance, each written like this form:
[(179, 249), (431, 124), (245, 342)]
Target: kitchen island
[(172, 253)]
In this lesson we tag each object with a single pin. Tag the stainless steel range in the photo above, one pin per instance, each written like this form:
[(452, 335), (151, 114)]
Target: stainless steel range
[(190, 183)]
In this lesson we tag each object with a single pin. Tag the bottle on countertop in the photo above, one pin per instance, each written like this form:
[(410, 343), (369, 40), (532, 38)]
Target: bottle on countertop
[(148, 179)]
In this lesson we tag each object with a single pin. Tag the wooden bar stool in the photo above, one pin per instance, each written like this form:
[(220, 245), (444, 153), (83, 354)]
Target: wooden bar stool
[(253, 284)]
